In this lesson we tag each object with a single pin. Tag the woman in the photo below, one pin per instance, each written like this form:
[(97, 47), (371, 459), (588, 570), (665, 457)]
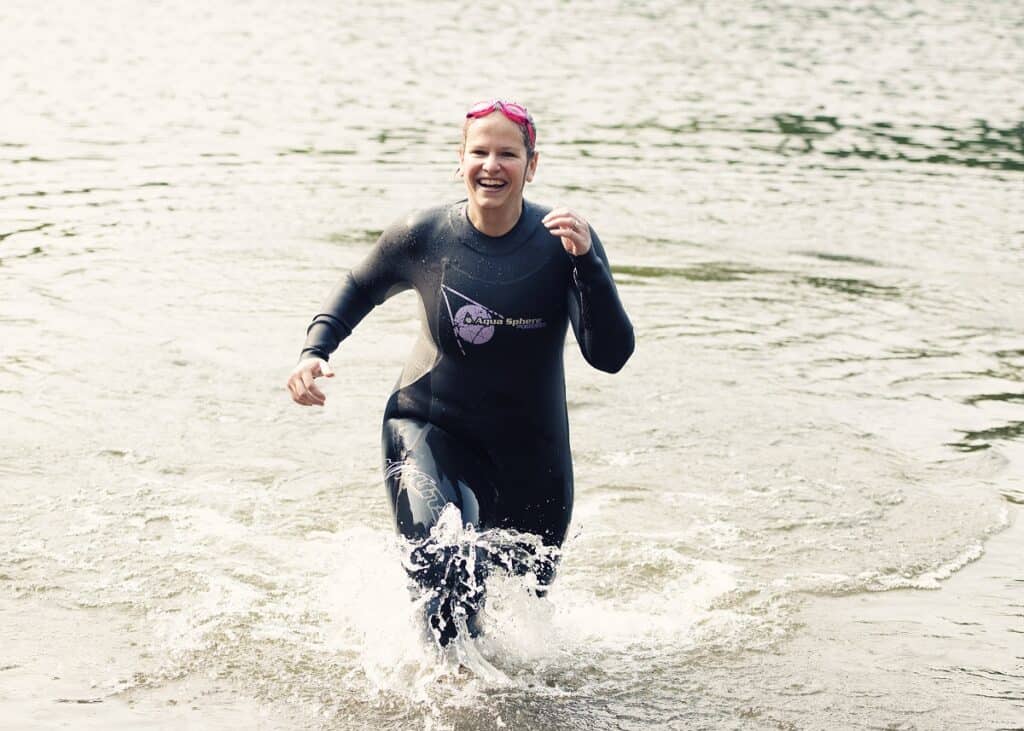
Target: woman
[(477, 421)]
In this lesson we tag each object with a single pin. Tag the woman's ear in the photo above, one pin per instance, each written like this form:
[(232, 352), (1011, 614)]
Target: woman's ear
[(531, 167)]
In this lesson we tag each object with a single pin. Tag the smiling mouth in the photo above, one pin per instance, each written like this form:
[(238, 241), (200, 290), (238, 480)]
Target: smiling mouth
[(491, 184)]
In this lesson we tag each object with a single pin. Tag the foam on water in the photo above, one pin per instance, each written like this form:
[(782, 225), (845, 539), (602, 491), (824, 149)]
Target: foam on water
[(371, 616), (336, 626), (238, 585)]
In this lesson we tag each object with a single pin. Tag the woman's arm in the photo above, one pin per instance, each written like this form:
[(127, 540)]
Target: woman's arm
[(343, 309), (601, 324), (598, 318), (379, 276)]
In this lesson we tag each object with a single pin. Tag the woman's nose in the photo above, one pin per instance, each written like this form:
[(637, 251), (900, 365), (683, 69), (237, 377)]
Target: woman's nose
[(491, 162)]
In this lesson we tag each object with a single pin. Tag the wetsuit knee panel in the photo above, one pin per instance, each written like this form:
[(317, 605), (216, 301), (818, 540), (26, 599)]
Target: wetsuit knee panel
[(425, 470)]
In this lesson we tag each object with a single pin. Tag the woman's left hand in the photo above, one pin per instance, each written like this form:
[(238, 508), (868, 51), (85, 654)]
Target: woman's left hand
[(572, 228)]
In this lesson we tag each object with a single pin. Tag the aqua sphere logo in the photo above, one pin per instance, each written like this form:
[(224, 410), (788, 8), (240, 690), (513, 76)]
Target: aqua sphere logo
[(475, 324)]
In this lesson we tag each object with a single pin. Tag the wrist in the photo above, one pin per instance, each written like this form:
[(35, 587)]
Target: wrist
[(587, 263)]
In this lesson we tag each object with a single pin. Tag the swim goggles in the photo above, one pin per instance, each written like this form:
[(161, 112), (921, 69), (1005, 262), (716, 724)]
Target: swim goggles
[(514, 112)]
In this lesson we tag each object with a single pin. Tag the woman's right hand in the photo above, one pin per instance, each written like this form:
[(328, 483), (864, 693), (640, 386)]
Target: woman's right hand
[(301, 381)]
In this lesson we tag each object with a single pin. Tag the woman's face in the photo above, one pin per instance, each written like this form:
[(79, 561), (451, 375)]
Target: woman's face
[(493, 163)]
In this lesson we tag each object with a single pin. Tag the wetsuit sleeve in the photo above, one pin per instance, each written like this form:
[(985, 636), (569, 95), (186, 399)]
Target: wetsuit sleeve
[(379, 276), (598, 318)]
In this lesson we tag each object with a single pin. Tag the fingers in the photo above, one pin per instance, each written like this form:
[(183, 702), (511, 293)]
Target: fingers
[(304, 395), (311, 391), (559, 211), (567, 216), (564, 217), (297, 391), (301, 382), (301, 393), (571, 241), (571, 228)]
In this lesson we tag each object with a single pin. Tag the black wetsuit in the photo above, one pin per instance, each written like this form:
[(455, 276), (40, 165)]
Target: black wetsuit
[(478, 417)]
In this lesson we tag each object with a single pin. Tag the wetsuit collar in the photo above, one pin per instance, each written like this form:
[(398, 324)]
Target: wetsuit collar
[(494, 245)]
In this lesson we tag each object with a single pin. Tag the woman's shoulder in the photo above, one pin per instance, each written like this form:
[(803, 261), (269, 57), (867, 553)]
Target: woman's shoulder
[(411, 229), (420, 223), (426, 219)]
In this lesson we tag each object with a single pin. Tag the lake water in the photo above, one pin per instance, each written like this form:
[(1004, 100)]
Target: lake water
[(796, 505)]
